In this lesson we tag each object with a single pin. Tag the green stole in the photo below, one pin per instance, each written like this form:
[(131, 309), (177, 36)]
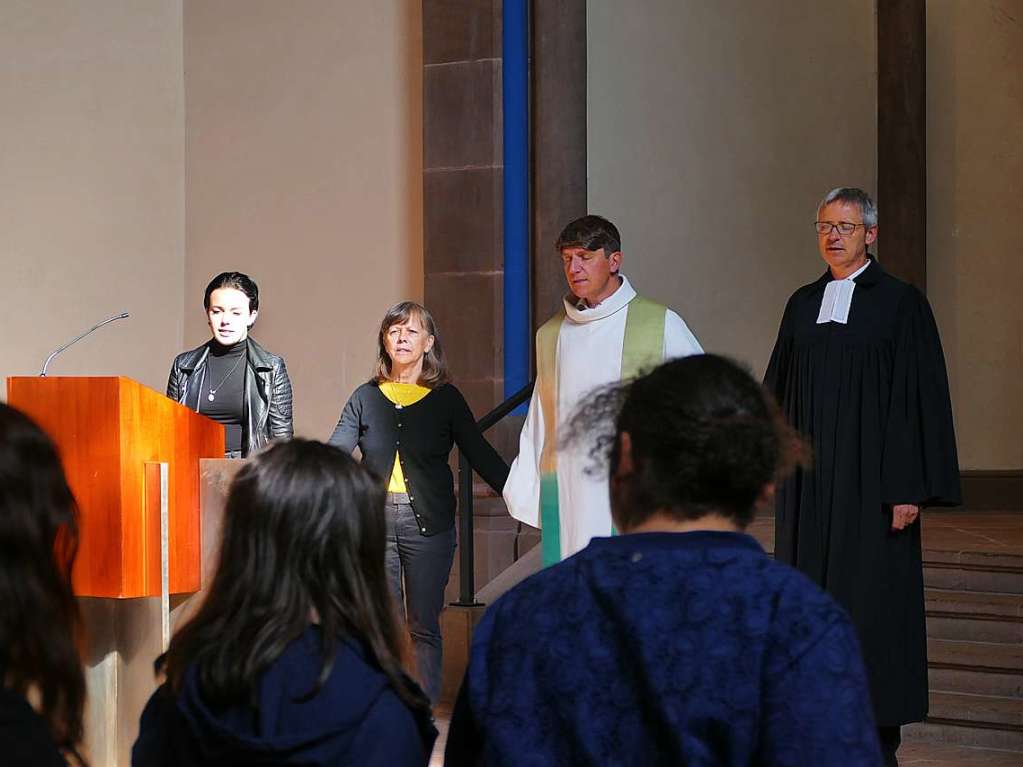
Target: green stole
[(643, 346)]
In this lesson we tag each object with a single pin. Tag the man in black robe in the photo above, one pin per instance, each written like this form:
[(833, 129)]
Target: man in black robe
[(858, 370)]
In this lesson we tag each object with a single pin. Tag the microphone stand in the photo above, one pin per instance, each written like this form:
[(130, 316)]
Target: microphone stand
[(76, 339)]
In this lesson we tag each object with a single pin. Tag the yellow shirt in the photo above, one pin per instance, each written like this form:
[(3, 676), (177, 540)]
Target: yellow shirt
[(403, 394)]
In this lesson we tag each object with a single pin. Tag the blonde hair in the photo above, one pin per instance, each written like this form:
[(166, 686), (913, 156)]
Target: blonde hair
[(435, 369)]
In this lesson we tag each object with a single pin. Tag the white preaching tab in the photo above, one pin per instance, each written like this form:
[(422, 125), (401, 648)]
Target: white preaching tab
[(838, 298)]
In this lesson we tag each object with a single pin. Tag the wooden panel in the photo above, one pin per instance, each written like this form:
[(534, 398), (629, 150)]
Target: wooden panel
[(902, 138), (558, 142), (107, 429), (152, 511), (197, 437), (992, 489), (159, 429), (80, 416)]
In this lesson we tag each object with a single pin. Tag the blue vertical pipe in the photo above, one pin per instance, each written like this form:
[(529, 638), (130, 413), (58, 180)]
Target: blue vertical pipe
[(515, 97)]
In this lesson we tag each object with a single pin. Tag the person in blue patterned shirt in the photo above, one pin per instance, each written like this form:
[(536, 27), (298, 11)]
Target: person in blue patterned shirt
[(679, 641)]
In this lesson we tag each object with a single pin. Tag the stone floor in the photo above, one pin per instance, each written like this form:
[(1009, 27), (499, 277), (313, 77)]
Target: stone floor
[(973, 535), (915, 754), (943, 755), (978, 535)]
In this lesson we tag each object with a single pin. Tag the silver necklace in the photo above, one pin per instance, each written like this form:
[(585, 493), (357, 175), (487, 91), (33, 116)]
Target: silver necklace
[(213, 389)]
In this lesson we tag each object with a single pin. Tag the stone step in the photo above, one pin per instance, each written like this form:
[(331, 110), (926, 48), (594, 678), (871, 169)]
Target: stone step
[(975, 602), (978, 616), (965, 734), (987, 721), (984, 710), (1009, 685), (931, 754), (983, 655), (982, 668), (973, 575)]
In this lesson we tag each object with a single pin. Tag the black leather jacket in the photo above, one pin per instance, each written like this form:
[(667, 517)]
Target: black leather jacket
[(267, 392)]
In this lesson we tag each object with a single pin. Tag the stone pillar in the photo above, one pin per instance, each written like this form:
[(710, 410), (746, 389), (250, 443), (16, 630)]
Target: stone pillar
[(902, 138), (462, 190), (558, 141)]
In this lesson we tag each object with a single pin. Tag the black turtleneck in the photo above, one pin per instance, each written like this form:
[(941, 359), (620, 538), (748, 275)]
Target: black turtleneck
[(225, 375)]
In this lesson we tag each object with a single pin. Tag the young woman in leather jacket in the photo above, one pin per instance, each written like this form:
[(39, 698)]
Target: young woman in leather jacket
[(231, 378)]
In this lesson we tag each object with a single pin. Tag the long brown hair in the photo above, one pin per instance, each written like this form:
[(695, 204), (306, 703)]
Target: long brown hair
[(40, 626), (435, 368), (304, 534)]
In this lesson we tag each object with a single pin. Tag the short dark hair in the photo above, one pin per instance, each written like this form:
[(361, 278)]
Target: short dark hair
[(304, 534), (40, 625), (705, 438), (235, 280), (435, 367), (592, 233)]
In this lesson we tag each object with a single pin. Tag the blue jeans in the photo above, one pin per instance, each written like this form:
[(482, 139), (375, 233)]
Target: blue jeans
[(425, 562)]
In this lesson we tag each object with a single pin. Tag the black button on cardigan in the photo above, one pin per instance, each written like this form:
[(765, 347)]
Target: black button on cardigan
[(429, 429)]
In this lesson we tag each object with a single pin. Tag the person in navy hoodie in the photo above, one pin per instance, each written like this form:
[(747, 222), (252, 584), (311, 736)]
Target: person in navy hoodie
[(296, 656), (680, 641)]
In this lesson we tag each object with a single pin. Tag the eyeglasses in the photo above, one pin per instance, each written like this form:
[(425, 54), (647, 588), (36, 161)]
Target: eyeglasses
[(844, 228)]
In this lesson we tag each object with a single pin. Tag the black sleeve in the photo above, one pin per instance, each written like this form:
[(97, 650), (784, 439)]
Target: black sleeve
[(465, 742), (774, 378), (349, 426), (280, 417), (173, 390), (919, 464), (481, 454)]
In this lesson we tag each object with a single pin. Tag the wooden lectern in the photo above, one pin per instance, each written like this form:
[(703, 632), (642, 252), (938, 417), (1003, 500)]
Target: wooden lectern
[(132, 458), (113, 435)]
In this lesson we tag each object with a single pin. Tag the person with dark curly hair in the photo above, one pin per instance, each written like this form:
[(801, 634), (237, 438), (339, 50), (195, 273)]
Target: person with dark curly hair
[(296, 655), (679, 641), (42, 686)]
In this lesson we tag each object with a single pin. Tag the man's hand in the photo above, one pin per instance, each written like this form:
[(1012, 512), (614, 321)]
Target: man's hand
[(903, 515)]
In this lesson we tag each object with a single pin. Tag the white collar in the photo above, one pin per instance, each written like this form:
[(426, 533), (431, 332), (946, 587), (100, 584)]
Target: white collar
[(858, 272), (614, 302), (837, 300)]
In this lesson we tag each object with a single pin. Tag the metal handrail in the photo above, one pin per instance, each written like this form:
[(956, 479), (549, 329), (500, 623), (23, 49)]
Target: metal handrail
[(466, 553)]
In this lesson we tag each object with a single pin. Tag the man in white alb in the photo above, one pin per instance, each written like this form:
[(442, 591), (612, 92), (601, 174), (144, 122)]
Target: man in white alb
[(605, 333)]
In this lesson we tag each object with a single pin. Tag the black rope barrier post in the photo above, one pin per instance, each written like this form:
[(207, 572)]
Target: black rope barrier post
[(466, 554)]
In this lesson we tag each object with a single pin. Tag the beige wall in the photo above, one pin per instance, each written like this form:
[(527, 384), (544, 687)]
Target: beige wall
[(975, 269), (713, 130), (304, 169), (91, 157)]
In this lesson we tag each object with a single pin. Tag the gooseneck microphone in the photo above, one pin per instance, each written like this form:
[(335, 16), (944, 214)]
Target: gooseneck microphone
[(76, 339)]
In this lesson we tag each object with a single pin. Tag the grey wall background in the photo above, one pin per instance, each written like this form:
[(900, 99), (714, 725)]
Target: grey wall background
[(714, 129), (304, 169), (975, 269), (92, 162), (147, 145)]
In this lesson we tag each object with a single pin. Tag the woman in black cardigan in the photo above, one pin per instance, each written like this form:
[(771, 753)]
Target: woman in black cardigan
[(405, 421)]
